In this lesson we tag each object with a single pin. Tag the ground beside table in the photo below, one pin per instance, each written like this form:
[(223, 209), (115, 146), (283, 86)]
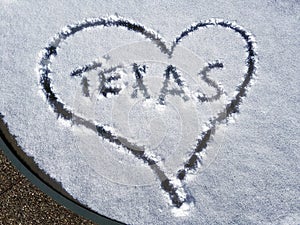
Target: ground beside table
[(22, 203)]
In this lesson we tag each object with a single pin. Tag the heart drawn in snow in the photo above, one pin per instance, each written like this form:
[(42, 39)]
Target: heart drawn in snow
[(173, 186)]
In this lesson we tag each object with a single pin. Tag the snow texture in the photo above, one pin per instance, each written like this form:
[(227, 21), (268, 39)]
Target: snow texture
[(159, 113)]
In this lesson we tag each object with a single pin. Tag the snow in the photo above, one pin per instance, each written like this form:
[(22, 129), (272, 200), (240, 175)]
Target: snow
[(250, 167)]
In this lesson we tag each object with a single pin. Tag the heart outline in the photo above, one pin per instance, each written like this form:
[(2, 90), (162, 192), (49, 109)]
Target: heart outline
[(192, 163)]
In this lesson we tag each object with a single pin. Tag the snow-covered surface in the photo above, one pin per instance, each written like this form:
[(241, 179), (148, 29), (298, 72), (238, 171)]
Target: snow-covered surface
[(250, 171)]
